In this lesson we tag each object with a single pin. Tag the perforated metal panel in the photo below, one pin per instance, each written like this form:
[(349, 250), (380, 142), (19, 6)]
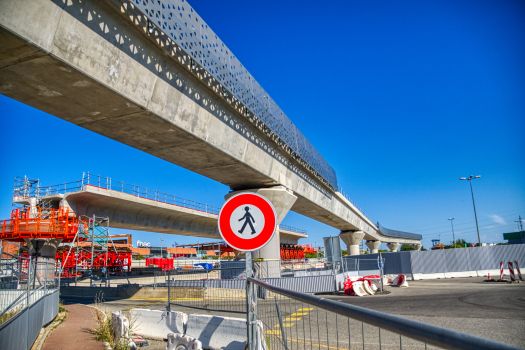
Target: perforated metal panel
[(179, 21)]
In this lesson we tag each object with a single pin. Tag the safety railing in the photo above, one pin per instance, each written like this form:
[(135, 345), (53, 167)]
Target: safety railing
[(293, 229), (24, 281), (295, 320), (38, 222), (108, 183)]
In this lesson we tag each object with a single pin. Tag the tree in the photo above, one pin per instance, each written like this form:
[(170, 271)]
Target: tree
[(139, 257), (344, 252), (459, 243), (406, 247)]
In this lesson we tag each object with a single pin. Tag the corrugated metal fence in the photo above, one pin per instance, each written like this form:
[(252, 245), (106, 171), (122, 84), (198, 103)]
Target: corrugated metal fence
[(306, 284), (450, 260), (21, 331)]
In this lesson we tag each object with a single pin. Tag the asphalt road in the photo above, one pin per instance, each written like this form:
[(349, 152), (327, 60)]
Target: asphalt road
[(494, 311)]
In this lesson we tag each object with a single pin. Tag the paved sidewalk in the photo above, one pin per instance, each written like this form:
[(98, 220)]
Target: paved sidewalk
[(75, 331)]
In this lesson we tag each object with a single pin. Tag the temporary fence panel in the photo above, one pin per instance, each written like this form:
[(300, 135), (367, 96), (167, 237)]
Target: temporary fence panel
[(444, 260), (28, 299), (294, 320)]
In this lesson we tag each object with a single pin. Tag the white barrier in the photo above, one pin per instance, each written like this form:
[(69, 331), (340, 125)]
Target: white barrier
[(220, 332), (359, 289), (157, 324), (368, 288), (182, 342), (119, 326)]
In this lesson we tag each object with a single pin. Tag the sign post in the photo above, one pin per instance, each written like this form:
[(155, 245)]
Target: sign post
[(380, 266), (247, 222)]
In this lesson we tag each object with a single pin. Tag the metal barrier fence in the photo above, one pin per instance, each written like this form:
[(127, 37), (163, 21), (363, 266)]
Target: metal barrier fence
[(152, 275), (361, 266), (295, 320), (448, 260), (28, 298), (223, 288), (23, 281)]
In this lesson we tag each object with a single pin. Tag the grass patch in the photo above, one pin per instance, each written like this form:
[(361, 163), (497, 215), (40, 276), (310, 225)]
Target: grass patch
[(103, 331), (61, 307), (10, 314)]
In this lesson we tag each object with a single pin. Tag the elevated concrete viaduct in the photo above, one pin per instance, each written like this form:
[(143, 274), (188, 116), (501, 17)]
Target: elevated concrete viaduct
[(101, 65), (127, 211)]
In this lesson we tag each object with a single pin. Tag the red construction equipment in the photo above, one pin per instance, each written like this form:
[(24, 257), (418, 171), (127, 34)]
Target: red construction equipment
[(109, 259), (291, 252), (37, 222), (163, 263)]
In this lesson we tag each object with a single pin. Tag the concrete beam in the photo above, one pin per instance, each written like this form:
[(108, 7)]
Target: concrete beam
[(134, 213)]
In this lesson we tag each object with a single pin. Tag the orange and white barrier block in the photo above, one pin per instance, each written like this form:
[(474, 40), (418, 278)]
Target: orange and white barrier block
[(501, 270)]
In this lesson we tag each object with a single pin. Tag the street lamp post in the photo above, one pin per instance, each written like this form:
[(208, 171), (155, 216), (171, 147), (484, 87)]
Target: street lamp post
[(472, 177), (453, 236), (161, 240)]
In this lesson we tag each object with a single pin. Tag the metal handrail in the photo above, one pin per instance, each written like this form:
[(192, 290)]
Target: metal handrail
[(437, 336), (292, 229)]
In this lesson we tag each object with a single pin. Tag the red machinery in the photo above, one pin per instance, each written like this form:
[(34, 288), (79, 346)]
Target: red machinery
[(164, 263), (291, 252), (37, 222), (48, 223), (109, 259)]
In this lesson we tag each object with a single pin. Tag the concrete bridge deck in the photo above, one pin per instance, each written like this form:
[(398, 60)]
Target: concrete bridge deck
[(133, 212), (99, 65)]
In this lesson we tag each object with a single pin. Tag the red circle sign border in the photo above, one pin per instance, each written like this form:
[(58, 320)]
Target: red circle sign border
[(270, 224)]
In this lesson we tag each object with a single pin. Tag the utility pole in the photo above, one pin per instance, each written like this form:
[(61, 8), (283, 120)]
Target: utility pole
[(453, 236), (520, 223)]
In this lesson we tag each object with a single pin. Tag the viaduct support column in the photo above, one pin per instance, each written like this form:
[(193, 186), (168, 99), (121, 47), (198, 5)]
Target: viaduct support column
[(44, 251), (352, 240), (282, 199), (417, 246), (374, 246), (393, 247)]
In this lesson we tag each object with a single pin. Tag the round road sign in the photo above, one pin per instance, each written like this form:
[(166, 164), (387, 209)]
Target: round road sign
[(247, 221)]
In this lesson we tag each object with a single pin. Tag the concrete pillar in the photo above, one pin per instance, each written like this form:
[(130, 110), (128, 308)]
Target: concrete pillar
[(417, 246), (239, 255), (374, 246), (282, 200), (44, 250), (352, 240), (393, 247)]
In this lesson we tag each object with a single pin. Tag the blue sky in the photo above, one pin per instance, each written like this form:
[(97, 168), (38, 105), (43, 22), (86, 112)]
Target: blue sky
[(402, 98)]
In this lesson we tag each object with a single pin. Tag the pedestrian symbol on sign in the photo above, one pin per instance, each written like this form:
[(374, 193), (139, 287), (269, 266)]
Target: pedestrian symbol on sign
[(248, 218)]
